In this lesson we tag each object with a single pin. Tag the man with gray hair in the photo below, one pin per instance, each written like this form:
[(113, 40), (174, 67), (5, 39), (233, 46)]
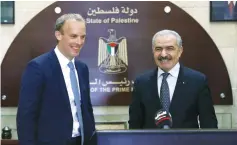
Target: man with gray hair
[(180, 94), (54, 104)]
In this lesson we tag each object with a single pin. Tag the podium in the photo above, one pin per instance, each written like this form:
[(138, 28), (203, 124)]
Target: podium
[(167, 137), (161, 137)]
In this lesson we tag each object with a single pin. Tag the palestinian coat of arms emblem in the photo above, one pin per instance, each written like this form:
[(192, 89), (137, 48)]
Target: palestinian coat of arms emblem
[(112, 55)]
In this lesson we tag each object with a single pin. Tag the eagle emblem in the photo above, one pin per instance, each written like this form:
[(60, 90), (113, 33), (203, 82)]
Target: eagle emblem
[(112, 55)]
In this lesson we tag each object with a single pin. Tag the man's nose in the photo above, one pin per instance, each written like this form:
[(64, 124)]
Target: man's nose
[(163, 53), (80, 41)]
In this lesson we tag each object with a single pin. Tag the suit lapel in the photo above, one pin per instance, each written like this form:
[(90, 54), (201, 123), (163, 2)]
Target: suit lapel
[(79, 69), (58, 77), (154, 89), (179, 90)]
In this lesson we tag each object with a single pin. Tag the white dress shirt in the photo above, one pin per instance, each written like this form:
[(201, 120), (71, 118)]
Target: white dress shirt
[(66, 74), (171, 79)]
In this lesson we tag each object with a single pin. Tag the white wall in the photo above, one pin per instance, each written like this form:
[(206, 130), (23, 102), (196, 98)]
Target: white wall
[(224, 35)]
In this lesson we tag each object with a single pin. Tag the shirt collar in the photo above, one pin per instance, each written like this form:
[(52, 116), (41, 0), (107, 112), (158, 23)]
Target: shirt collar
[(62, 59), (173, 72)]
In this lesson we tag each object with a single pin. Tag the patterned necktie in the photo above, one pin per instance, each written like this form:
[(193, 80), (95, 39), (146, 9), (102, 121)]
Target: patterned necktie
[(165, 93), (77, 98)]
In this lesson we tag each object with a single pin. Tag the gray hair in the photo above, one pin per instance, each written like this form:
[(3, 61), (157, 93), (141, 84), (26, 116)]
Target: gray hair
[(168, 32), (61, 20)]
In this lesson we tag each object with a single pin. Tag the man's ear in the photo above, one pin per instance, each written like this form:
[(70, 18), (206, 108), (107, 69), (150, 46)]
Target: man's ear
[(58, 35), (181, 51)]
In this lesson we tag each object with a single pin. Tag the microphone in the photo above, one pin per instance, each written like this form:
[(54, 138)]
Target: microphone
[(163, 119)]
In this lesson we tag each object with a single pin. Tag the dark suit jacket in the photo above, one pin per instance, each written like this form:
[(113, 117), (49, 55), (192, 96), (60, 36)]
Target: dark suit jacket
[(44, 113), (191, 98), (220, 11)]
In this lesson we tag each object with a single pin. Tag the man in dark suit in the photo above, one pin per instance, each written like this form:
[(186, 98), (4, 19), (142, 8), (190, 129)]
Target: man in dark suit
[(54, 106), (186, 96), (224, 10)]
